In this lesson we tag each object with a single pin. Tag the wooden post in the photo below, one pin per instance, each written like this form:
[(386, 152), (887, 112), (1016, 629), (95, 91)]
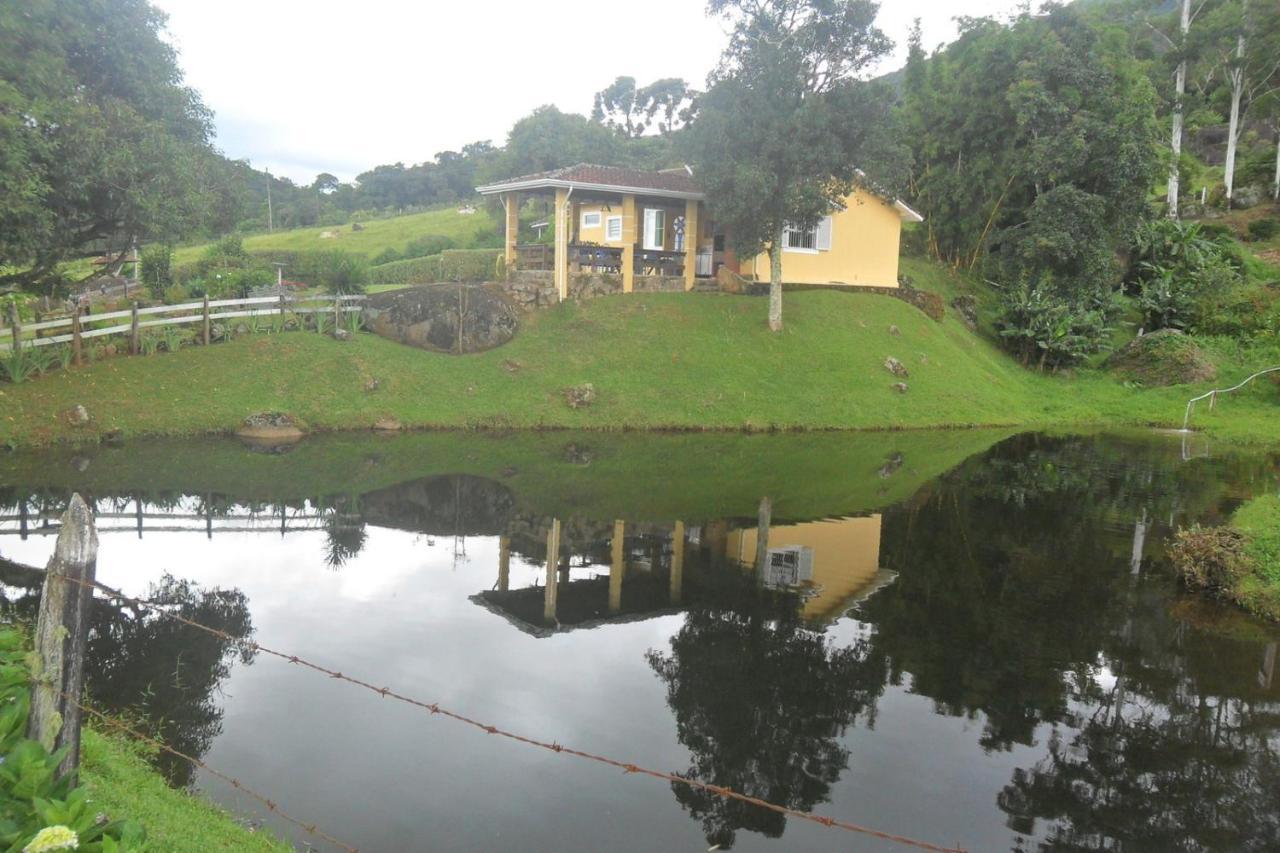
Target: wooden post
[(15, 323), (62, 631), (23, 520), (137, 513), (337, 313), (205, 319), (135, 331), (76, 354), (553, 560)]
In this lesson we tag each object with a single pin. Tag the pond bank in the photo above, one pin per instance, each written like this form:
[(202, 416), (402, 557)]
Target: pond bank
[(1239, 561), (654, 362)]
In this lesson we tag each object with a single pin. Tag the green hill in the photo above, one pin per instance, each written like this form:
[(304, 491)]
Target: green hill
[(376, 235), (684, 361)]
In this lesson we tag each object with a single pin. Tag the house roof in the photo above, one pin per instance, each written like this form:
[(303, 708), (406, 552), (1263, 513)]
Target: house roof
[(586, 176), (672, 183)]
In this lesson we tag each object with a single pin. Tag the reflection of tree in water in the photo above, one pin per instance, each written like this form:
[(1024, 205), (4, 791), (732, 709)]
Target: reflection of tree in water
[(143, 664), (761, 702), (345, 533)]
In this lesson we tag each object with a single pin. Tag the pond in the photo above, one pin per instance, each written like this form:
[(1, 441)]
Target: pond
[(968, 638)]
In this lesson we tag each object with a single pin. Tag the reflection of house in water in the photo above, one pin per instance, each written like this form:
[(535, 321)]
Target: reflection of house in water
[(656, 569)]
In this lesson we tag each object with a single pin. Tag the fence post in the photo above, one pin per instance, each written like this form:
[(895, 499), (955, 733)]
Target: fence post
[(206, 319), (75, 338), (16, 322), (282, 304), (135, 331), (337, 313), (62, 631)]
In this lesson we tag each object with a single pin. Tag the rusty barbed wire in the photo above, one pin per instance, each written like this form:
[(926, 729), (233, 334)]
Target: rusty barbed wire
[(435, 709), (272, 805)]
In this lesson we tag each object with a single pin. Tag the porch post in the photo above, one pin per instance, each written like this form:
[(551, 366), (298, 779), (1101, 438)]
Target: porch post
[(512, 203), (628, 243), (560, 261), (550, 594), (691, 231), (677, 563), (617, 566)]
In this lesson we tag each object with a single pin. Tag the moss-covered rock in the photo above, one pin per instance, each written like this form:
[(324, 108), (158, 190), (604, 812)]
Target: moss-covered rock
[(1166, 357)]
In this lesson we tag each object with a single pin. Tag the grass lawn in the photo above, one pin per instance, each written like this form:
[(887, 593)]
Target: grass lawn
[(1259, 522), (683, 361), (121, 784), (375, 236)]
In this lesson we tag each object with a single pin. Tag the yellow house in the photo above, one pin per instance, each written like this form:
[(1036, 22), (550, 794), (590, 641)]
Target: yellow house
[(651, 230)]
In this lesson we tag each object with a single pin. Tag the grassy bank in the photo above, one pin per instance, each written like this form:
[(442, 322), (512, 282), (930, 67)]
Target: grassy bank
[(141, 812), (684, 361), (1239, 562)]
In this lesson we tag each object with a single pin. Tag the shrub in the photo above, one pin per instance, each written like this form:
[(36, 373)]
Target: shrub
[(175, 294), (1174, 266), (386, 256), (1212, 559), (470, 265), (155, 272), (1261, 230), (1163, 358), (1040, 325), (413, 271)]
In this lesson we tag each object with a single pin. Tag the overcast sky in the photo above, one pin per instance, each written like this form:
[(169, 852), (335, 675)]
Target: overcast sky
[(309, 86)]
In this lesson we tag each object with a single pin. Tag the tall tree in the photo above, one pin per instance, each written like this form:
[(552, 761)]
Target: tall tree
[(101, 142), (788, 119)]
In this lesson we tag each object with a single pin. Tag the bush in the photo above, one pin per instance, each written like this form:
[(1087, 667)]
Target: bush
[(412, 271), (1212, 559), (176, 294), (1039, 325), (336, 271), (1163, 358), (1176, 266), (155, 272), (1261, 230), (386, 256), (471, 265)]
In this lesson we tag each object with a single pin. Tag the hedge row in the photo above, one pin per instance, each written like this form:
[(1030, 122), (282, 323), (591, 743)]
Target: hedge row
[(449, 265)]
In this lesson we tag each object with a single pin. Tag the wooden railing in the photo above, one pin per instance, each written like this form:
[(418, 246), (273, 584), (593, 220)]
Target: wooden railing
[(72, 329)]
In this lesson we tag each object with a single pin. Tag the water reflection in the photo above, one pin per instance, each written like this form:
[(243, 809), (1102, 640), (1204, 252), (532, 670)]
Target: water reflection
[(1022, 593)]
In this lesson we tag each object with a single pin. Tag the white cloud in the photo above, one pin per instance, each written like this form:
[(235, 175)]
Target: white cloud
[(304, 86)]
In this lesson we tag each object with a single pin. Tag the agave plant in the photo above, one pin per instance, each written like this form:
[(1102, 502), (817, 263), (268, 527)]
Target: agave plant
[(173, 338), (18, 366)]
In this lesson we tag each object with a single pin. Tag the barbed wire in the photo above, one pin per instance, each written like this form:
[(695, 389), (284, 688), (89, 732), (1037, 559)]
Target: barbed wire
[(435, 709), (272, 805)]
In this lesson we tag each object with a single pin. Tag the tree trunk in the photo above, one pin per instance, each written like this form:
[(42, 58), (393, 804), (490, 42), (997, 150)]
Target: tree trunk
[(1275, 190), (1233, 129), (775, 283), (1180, 91)]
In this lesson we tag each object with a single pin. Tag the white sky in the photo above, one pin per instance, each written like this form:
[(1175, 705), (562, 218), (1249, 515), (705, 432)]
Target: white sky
[(309, 86)]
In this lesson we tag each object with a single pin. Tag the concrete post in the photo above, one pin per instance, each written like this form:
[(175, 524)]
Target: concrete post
[(560, 259), (504, 563), (691, 230), (512, 204), (553, 565), (628, 243)]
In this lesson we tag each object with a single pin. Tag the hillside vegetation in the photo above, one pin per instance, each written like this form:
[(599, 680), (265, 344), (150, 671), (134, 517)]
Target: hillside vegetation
[(687, 361), (376, 235)]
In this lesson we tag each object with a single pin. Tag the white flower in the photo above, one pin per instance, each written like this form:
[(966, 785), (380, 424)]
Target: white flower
[(53, 838)]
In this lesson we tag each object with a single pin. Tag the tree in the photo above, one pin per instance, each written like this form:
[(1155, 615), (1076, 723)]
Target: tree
[(325, 183), (632, 110), (102, 144), (787, 120)]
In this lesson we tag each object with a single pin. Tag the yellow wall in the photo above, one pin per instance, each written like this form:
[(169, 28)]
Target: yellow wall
[(596, 235), (865, 240), (846, 558)]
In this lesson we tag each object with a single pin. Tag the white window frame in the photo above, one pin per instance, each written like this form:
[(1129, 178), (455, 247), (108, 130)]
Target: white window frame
[(813, 233), (609, 235), (659, 222), (592, 214)]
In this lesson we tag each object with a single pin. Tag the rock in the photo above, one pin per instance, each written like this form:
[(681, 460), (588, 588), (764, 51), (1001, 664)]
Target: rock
[(577, 454), (217, 331), (80, 463), (270, 427), (356, 226), (900, 387), (452, 318), (1246, 197), (895, 331), (113, 437), (891, 466), (242, 329), (78, 415), (580, 396), (372, 385), (1165, 357), (896, 367), (387, 425), (967, 306), (341, 335)]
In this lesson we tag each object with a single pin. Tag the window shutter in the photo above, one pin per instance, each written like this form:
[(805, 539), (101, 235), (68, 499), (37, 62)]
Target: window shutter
[(823, 243)]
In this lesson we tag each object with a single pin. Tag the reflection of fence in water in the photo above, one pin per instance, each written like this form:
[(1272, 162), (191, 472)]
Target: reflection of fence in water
[(185, 516)]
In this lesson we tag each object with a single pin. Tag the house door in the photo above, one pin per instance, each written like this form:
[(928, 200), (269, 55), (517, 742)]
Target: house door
[(655, 227)]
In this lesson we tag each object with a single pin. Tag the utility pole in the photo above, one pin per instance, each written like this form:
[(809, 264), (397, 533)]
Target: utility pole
[(270, 223)]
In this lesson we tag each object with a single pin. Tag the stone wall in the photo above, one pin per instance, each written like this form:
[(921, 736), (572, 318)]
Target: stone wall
[(453, 318), (658, 284), (530, 290), (588, 285)]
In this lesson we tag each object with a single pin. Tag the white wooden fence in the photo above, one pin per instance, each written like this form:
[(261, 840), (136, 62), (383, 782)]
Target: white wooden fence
[(71, 329)]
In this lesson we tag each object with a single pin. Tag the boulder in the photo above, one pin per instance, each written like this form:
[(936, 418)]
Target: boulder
[(1166, 357), (452, 318), (967, 306), (78, 415), (387, 425), (896, 367), (341, 335), (900, 387), (1246, 197), (270, 427)]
